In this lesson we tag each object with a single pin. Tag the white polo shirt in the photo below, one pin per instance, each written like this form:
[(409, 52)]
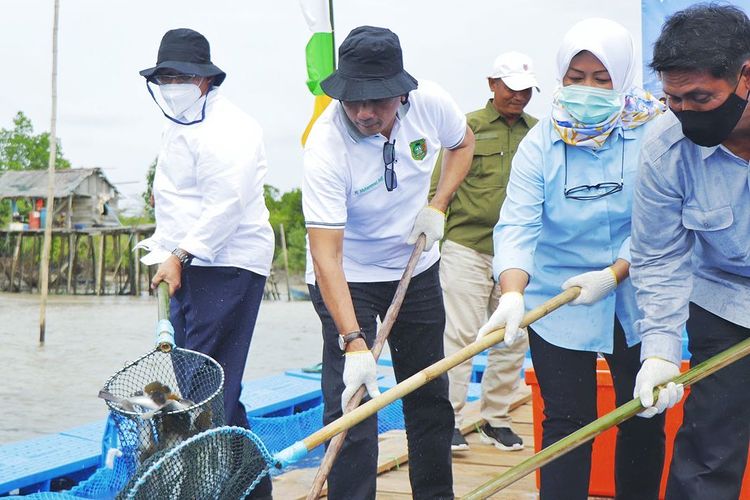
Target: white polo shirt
[(344, 185), (208, 190)]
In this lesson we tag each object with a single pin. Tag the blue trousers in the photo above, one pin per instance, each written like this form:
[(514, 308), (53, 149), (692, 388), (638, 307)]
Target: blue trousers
[(710, 450), (416, 341), (214, 312)]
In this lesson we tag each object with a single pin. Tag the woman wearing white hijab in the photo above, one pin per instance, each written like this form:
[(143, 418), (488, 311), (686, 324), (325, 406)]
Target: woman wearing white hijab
[(566, 222)]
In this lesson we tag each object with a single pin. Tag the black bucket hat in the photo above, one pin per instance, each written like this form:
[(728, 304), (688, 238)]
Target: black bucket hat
[(371, 66), (187, 52)]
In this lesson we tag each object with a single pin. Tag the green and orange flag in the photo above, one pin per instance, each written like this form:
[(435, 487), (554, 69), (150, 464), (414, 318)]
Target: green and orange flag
[(319, 54)]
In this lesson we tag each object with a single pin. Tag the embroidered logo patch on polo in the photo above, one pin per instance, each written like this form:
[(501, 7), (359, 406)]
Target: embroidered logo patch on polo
[(418, 149)]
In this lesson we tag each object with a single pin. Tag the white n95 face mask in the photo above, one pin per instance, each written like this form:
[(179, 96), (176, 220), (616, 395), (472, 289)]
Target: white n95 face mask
[(180, 96)]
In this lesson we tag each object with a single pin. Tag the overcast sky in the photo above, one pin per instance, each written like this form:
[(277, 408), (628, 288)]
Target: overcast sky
[(107, 119)]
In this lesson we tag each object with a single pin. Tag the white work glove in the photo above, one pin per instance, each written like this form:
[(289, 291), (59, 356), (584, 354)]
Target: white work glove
[(594, 285), (359, 369), (509, 312), (653, 372), (431, 222)]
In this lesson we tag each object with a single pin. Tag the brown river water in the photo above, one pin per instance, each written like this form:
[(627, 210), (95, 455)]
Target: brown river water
[(47, 389)]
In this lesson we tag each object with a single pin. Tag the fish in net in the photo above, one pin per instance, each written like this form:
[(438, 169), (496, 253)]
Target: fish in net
[(162, 399)]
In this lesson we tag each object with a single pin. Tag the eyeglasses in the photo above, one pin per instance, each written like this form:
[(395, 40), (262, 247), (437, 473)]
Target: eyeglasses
[(169, 79), (595, 191), (389, 158)]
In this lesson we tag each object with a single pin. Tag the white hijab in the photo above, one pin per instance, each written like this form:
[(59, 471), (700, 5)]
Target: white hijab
[(609, 41)]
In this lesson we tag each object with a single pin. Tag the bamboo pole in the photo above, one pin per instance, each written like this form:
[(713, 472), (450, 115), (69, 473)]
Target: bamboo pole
[(44, 271), (424, 376), (615, 417), (286, 262), (334, 447)]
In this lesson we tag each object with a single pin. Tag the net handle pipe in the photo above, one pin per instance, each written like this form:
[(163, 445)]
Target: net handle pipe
[(164, 329), (615, 417), (301, 448), (334, 447)]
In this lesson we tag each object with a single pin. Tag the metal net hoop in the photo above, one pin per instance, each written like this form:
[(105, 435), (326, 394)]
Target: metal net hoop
[(194, 379)]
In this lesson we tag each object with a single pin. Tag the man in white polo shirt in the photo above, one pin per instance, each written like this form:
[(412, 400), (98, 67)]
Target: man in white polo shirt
[(368, 162)]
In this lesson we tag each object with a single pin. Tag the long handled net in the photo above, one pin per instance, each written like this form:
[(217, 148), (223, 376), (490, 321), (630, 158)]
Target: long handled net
[(163, 398)]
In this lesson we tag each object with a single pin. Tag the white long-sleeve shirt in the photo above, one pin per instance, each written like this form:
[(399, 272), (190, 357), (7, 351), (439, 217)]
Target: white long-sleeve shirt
[(208, 189)]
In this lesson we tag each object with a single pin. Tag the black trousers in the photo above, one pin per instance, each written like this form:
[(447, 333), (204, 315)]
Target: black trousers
[(567, 380), (710, 450), (214, 312), (416, 341)]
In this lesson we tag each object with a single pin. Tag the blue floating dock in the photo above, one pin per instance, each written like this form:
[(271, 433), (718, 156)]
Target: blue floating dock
[(279, 395), (31, 465)]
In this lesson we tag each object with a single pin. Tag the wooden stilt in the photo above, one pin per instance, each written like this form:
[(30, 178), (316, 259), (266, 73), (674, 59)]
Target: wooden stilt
[(72, 249), (92, 254), (81, 257), (15, 260), (100, 264)]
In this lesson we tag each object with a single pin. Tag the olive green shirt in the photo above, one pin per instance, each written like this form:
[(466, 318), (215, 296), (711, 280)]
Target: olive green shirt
[(474, 210)]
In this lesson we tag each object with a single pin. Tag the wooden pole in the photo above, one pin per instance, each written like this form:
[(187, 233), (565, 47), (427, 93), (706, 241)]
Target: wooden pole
[(334, 447), (100, 264), (615, 417), (286, 262), (71, 243), (44, 271), (14, 263), (72, 249)]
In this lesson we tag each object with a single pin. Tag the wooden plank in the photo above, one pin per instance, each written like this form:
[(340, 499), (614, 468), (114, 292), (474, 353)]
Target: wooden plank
[(469, 470), (295, 484)]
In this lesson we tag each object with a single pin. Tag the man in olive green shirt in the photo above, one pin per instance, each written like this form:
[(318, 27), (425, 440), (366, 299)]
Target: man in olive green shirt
[(469, 290)]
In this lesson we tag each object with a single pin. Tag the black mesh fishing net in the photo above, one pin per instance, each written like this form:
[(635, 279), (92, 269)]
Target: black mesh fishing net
[(162, 400), (224, 463)]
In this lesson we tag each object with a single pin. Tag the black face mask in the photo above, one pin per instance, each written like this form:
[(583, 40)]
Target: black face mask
[(711, 128)]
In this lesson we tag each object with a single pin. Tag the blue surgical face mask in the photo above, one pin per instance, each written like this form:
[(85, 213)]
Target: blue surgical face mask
[(590, 105)]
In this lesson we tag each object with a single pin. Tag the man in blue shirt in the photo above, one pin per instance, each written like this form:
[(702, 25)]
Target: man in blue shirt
[(691, 244)]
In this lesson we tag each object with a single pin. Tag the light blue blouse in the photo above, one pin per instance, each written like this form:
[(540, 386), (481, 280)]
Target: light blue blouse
[(552, 237)]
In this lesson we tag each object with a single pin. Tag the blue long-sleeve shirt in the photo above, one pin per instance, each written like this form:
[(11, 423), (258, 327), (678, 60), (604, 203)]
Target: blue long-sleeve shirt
[(552, 237), (691, 236)]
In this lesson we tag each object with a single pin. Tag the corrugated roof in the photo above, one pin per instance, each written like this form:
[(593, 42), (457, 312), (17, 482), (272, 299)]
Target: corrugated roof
[(33, 183)]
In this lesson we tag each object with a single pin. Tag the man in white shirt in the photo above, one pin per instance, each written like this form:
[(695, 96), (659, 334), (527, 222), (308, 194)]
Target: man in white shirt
[(368, 162), (213, 239)]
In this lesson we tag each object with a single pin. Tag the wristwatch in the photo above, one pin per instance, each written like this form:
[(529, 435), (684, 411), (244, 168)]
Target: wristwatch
[(184, 257), (348, 337)]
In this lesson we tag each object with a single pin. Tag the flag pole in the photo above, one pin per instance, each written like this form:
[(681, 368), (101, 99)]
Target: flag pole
[(333, 32), (50, 209)]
